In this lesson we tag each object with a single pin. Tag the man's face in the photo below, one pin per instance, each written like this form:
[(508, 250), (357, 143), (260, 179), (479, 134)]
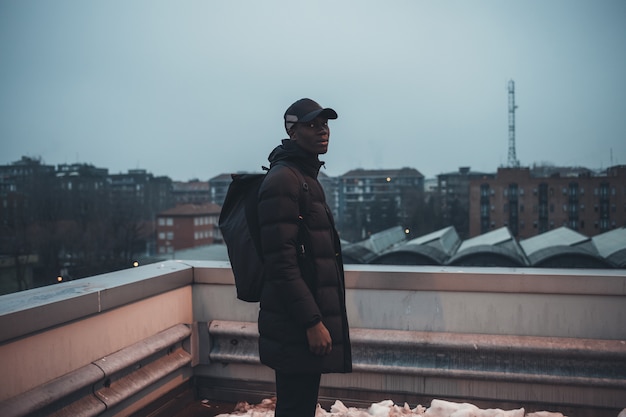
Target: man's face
[(312, 136)]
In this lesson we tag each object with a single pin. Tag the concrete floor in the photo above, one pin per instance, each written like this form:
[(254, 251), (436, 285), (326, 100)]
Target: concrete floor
[(206, 409)]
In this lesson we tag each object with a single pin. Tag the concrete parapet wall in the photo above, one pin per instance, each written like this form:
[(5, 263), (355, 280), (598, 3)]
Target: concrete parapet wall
[(588, 304), (49, 332), (54, 332)]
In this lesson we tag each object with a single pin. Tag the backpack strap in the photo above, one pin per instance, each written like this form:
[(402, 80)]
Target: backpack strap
[(304, 196), (304, 204)]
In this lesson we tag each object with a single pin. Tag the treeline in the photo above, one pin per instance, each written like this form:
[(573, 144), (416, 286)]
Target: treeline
[(73, 231)]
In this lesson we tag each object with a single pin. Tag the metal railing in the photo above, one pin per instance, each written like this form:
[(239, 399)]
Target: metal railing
[(107, 382)]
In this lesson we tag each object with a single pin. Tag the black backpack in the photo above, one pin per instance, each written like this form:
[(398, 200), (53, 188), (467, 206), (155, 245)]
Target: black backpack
[(239, 224)]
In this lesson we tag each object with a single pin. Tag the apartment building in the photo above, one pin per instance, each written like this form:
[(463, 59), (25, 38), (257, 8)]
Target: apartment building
[(142, 189), (218, 186), (529, 204), (331, 192), (191, 192), (452, 197), (18, 182), (187, 226), (374, 200)]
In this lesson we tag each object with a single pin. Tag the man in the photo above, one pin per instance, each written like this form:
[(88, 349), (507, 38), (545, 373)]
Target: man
[(303, 324)]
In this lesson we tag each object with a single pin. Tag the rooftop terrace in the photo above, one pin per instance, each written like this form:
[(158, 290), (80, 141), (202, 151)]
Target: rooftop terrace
[(152, 339)]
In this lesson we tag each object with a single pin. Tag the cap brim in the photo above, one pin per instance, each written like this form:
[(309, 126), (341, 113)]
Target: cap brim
[(325, 113)]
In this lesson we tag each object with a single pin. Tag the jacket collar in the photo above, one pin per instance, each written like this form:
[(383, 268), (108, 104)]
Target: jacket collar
[(289, 151)]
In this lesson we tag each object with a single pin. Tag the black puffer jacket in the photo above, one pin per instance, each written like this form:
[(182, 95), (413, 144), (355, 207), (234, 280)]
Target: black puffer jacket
[(300, 290)]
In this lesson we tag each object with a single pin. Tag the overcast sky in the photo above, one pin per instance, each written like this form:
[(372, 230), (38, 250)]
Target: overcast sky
[(192, 89)]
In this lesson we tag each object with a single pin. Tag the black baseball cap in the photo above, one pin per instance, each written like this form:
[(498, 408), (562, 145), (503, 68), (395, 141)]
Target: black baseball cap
[(305, 110)]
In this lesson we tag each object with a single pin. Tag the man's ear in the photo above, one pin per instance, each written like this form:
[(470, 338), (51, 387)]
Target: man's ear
[(292, 133)]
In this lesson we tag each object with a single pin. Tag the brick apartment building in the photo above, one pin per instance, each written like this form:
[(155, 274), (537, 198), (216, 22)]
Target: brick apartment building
[(452, 197), (529, 205), (187, 226)]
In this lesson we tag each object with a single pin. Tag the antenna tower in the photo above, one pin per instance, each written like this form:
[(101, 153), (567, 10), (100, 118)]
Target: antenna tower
[(513, 162)]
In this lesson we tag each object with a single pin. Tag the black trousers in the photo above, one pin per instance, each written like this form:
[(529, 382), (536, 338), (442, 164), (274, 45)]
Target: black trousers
[(296, 394)]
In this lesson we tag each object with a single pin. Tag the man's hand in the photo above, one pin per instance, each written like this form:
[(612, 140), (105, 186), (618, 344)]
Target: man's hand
[(319, 339)]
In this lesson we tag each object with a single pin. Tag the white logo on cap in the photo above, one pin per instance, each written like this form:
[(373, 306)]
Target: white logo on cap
[(290, 120)]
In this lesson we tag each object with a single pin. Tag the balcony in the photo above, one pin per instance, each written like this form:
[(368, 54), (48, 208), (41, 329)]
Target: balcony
[(147, 340)]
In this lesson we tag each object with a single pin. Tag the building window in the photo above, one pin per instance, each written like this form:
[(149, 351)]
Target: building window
[(169, 221), (604, 190), (161, 235), (161, 221)]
